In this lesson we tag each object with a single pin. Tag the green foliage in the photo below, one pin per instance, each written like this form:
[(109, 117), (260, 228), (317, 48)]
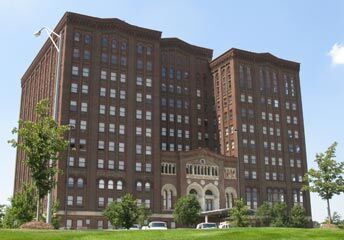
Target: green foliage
[(124, 213), (22, 207), (328, 180), (298, 217), (41, 142), (187, 210), (280, 215), (55, 220), (264, 214), (2, 213), (239, 214), (144, 214)]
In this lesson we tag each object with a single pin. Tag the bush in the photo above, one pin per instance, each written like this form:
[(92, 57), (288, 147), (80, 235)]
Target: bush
[(279, 215), (187, 210), (298, 217), (239, 214), (264, 214)]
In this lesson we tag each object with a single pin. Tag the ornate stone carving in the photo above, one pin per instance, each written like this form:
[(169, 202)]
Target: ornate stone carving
[(230, 173)]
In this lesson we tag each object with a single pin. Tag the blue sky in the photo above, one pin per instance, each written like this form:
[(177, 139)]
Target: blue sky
[(303, 31)]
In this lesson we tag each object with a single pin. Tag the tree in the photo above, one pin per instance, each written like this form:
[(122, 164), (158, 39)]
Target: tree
[(144, 214), (239, 214), (298, 217), (2, 213), (264, 214), (41, 142), (328, 180), (124, 213), (280, 215), (22, 207), (187, 210)]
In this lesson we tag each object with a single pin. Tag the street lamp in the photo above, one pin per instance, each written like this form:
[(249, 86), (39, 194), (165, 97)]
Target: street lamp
[(58, 47)]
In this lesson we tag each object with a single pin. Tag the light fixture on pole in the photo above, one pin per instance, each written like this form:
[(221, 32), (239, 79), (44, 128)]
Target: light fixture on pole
[(58, 47)]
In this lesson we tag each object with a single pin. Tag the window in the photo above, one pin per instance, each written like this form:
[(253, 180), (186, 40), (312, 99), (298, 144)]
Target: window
[(104, 41), (148, 167), (139, 81), (70, 182), (121, 147), (76, 53), (119, 185), (122, 112), (138, 131), (84, 89), (113, 76), (148, 82), (100, 163), (101, 145), (111, 164), (71, 161), (79, 200), (102, 92), (83, 107), (73, 106), (148, 150), (104, 58), (110, 184), (83, 125), (148, 132), (138, 149), (122, 94), (70, 200), (112, 93), (121, 165), (76, 37), (111, 146), (148, 115), (101, 109), (147, 186), (87, 55), (122, 129), (101, 203), (112, 111), (123, 61), (101, 184), (138, 97), (82, 162), (138, 167), (103, 75), (139, 186), (111, 127), (75, 70), (74, 88), (123, 78), (138, 114)]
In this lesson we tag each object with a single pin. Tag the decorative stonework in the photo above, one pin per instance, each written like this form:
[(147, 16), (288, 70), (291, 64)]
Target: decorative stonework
[(230, 173)]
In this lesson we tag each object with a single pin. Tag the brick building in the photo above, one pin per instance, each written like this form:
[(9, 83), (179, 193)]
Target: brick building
[(145, 121)]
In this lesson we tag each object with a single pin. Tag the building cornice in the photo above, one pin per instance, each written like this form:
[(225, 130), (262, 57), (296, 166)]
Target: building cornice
[(262, 58), (172, 43)]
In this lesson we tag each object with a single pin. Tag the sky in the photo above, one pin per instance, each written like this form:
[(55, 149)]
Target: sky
[(308, 32)]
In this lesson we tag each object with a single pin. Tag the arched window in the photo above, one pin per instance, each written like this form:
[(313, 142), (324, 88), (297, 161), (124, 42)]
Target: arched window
[(209, 193), (139, 186), (193, 191), (119, 185), (228, 203), (70, 182), (80, 183), (110, 184), (147, 187), (209, 200), (101, 184), (169, 199), (165, 199)]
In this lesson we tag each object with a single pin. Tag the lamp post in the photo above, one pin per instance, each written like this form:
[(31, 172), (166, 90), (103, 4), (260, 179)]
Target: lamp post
[(58, 47)]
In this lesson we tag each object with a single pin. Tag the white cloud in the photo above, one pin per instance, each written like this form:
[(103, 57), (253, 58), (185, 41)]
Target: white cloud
[(337, 53)]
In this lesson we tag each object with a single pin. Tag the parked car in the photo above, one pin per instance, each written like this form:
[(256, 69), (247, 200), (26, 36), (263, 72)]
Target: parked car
[(156, 225), (224, 225), (135, 227), (207, 225)]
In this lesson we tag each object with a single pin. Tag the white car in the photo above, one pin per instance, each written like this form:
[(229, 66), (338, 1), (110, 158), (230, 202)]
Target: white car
[(135, 227), (156, 225), (206, 225), (224, 225)]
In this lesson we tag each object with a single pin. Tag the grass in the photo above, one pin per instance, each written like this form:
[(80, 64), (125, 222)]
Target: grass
[(189, 234)]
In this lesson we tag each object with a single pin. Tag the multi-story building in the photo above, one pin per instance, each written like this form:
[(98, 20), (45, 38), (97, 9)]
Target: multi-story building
[(144, 122), (259, 112)]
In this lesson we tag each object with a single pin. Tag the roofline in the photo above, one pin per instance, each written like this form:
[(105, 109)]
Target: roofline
[(176, 42), (256, 57)]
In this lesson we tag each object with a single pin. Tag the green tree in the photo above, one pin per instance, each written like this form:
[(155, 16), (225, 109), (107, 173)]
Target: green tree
[(41, 141), (264, 214), (187, 210), (280, 215), (22, 207), (239, 214), (144, 214), (328, 180), (2, 213), (124, 213), (298, 217)]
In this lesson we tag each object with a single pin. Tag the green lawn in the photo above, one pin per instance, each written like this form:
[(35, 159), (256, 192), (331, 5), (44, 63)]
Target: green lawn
[(228, 234)]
